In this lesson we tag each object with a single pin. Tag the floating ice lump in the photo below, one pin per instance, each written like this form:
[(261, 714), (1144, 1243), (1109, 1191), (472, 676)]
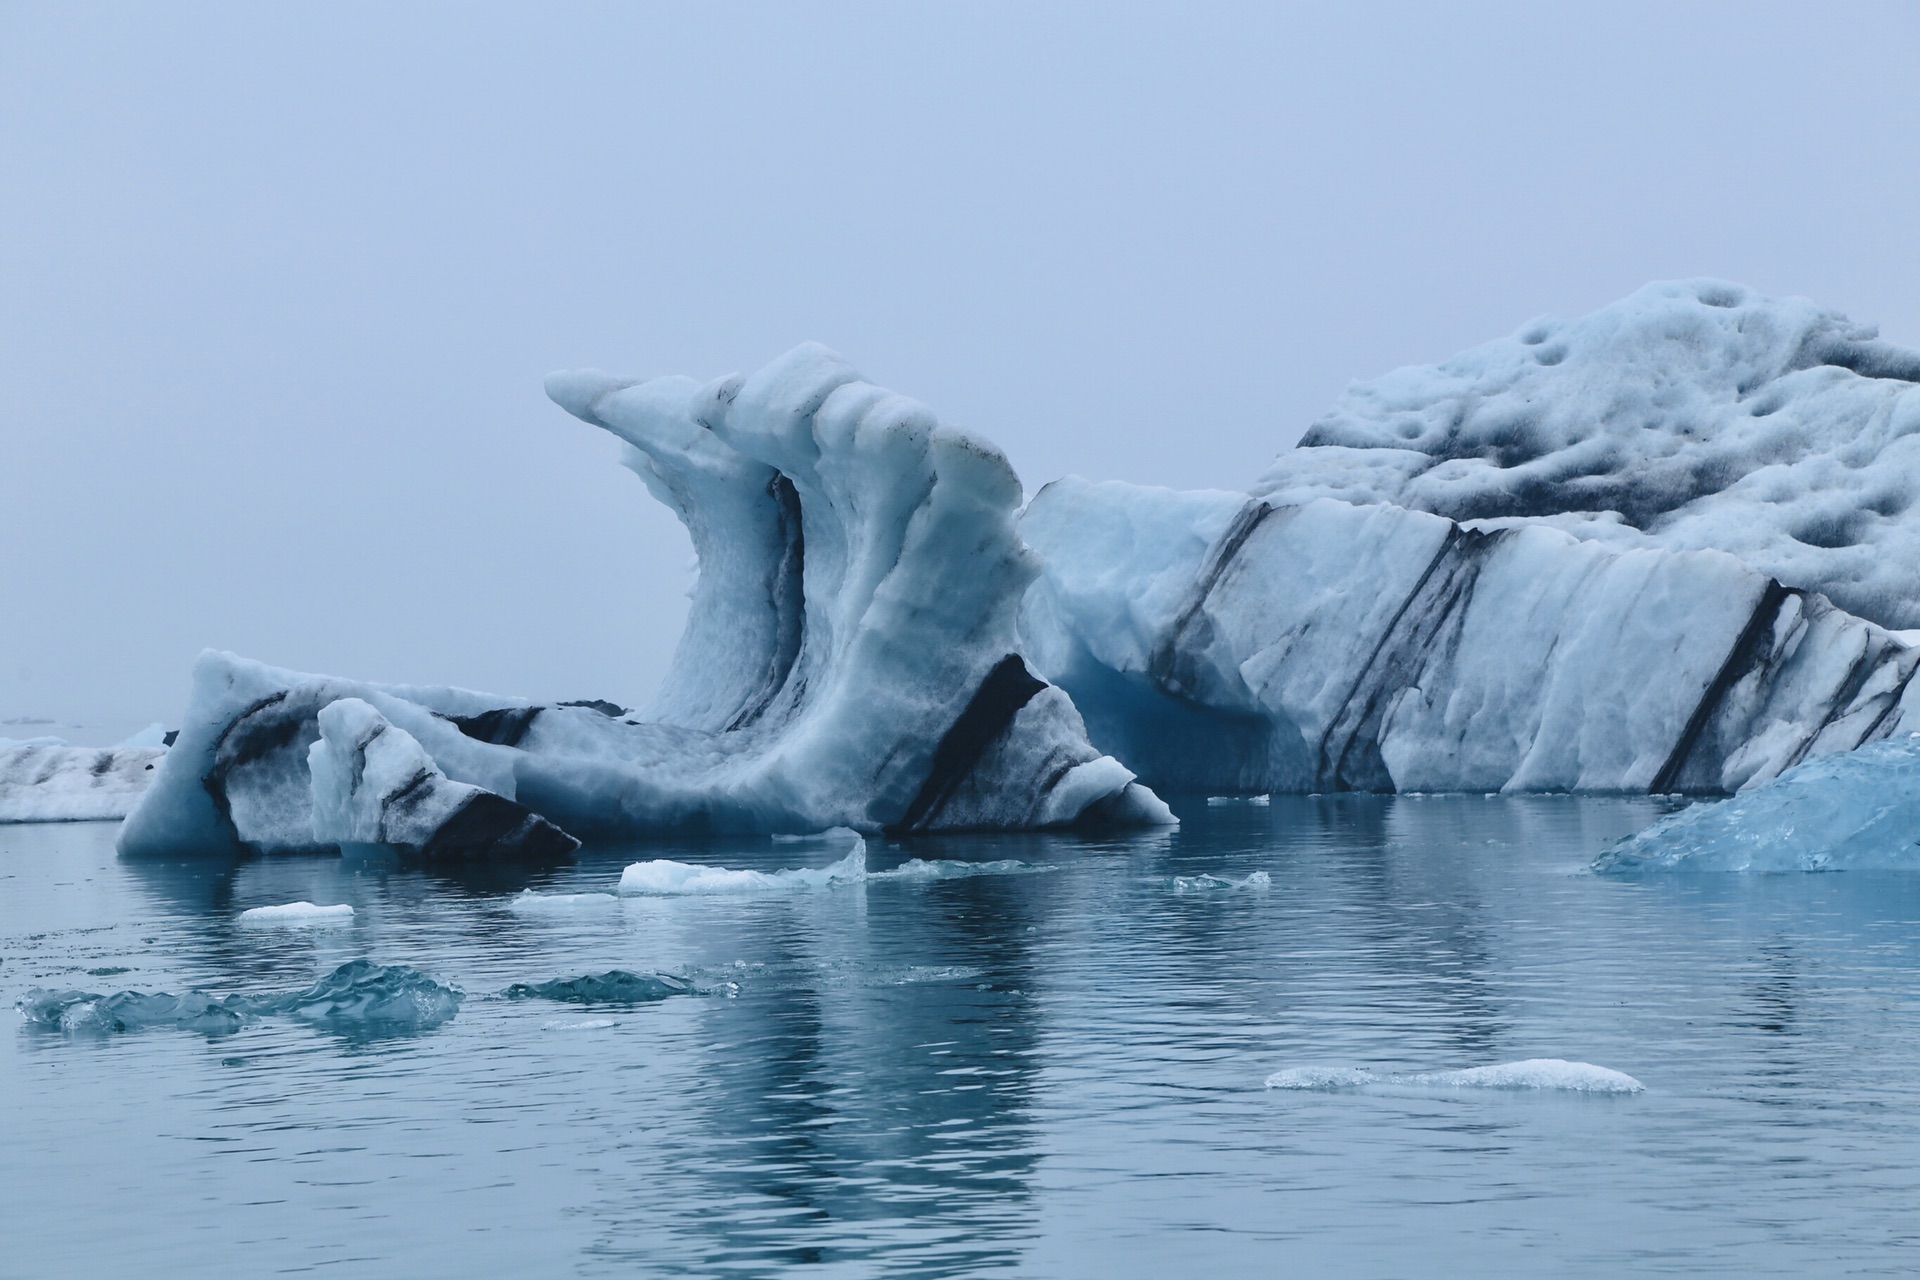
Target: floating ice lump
[(663, 877), (1859, 811), (1533, 1073), (530, 903), (1206, 883), (297, 914), (359, 997), (616, 986)]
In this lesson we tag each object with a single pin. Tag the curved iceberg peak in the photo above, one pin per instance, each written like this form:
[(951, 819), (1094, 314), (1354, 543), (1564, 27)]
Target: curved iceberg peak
[(1856, 811), (1691, 415), (851, 659)]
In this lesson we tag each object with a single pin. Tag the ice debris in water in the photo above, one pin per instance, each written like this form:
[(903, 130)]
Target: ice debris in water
[(616, 986), (1533, 1073), (666, 878), (89, 1013), (1259, 801), (590, 1024), (359, 994), (297, 914), (1859, 810), (530, 903), (1207, 883)]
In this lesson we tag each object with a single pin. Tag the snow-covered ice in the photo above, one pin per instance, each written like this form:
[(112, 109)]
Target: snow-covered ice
[(297, 914), (1692, 415), (1533, 1073), (1855, 811)]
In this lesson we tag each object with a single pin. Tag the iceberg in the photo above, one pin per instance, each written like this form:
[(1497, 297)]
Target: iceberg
[(1663, 548), (44, 780), (851, 657), (1228, 644), (616, 986), (1857, 811)]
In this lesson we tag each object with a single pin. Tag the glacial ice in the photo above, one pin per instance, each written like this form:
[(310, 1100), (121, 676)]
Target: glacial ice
[(1230, 644), (359, 997), (297, 915), (373, 783), (1533, 1073), (1856, 811), (1692, 415), (616, 986), (51, 782), (527, 902), (663, 877), (1207, 882), (851, 657)]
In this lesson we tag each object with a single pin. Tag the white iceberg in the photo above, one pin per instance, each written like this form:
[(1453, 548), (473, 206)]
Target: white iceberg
[(851, 657), (1857, 811), (57, 783)]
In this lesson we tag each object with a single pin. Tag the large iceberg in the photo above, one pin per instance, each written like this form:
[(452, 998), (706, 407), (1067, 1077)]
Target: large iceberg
[(1602, 555), (851, 657)]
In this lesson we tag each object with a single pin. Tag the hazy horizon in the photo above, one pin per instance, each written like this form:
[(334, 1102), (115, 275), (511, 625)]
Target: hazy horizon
[(282, 285)]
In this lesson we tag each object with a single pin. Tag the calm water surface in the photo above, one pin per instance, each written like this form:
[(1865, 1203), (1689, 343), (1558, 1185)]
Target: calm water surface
[(1050, 1073)]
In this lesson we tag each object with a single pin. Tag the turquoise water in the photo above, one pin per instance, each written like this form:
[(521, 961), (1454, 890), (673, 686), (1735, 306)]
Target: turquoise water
[(1044, 1072)]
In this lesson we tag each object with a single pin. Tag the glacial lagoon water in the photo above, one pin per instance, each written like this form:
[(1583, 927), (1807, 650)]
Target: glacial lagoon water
[(1055, 1067)]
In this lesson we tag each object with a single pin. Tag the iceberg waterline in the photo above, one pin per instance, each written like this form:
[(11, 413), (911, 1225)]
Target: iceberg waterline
[(1528, 569)]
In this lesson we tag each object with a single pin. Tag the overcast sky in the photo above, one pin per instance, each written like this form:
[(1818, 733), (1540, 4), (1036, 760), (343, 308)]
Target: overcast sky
[(279, 282)]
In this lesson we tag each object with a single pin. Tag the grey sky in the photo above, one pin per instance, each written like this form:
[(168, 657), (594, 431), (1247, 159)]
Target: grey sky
[(279, 283)]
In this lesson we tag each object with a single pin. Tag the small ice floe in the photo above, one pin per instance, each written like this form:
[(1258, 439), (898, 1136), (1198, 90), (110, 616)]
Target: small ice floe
[(1534, 1073), (590, 1024), (1262, 800), (297, 915), (663, 877), (947, 869), (616, 986), (1257, 882), (527, 902)]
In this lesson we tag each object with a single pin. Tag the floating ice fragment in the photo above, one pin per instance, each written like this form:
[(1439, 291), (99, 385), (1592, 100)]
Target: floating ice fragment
[(297, 915), (88, 1013), (1260, 801), (1533, 1073), (1860, 810), (1257, 881), (591, 1024), (616, 986), (949, 869), (367, 996), (666, 878), (530, 903)]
